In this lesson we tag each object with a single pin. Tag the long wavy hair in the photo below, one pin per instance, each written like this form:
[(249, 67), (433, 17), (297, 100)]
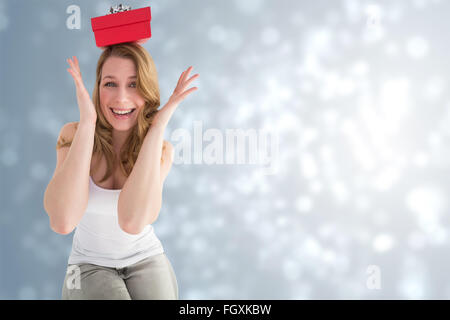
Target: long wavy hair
[(147, 86)]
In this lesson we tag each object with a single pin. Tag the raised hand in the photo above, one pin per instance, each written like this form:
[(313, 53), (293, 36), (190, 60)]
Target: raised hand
[(164, 114), (87, 108)]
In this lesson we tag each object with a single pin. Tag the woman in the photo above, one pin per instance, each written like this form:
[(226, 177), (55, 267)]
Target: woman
[(109, 176)]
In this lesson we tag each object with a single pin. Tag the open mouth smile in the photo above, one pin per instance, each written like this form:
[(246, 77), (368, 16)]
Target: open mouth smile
[(122, 114)]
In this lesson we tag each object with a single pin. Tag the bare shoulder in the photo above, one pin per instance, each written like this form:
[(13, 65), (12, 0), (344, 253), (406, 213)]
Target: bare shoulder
[(167, 145), (167, 151), (66, 134), (64, 142), (69, 129)]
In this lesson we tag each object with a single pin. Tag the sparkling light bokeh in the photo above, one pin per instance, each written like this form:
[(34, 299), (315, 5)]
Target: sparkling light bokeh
[(358, 93)]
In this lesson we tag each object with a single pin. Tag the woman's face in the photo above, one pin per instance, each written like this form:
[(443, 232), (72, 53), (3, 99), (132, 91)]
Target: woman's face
[(118, 92)]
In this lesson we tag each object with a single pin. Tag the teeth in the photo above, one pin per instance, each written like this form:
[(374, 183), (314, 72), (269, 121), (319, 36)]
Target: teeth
[(122, 111)]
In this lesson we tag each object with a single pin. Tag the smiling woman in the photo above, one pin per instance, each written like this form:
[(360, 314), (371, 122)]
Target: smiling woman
[(125, 98), (126, 79), (109, 177), (119, 96)]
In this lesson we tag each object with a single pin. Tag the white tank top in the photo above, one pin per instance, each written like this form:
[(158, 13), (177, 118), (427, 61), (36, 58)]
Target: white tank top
[(99, 240)]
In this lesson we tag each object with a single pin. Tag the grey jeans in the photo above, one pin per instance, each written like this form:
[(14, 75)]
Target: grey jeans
[(152, 278)]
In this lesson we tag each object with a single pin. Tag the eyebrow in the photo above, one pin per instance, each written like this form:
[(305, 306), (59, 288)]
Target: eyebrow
[(112, 77)]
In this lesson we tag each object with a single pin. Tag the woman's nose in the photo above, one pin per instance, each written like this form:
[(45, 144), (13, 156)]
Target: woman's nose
[(121, 95)]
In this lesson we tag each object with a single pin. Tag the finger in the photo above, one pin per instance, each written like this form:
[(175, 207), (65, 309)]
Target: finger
[(71, 63), (75, 60), (186, 93), (191, 79), (73, 72), (76, 78), (188, 82), (186, 73), (179, 80), (181, 84)]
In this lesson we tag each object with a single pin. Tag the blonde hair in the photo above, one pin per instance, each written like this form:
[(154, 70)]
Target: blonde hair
[(147, 86)]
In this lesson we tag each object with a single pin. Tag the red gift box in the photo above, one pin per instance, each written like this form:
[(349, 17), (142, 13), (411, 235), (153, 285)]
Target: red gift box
[(126, 26)]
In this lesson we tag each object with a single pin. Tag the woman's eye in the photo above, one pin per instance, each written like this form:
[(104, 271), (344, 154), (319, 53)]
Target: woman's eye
[(133, 84)]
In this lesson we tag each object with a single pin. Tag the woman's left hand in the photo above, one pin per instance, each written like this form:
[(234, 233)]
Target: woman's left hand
[(162, 117)]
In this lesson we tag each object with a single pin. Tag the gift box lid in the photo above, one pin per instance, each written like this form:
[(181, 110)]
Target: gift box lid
[(121, 18)]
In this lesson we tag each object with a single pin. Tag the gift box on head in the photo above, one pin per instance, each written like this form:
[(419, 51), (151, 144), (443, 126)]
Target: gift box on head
[(122, 26)]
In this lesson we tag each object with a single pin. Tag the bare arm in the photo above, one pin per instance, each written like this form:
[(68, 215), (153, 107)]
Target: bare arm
[(66, 196), (141, 197), (67, 193)]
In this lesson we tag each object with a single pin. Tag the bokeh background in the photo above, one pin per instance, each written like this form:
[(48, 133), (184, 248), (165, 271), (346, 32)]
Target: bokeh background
[(358, 93)]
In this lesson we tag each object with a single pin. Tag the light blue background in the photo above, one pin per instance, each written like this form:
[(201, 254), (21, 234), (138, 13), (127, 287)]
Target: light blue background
[(358, 91)]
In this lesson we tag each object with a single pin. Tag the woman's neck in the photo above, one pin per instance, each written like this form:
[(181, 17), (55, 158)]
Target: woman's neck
[(119, 138)]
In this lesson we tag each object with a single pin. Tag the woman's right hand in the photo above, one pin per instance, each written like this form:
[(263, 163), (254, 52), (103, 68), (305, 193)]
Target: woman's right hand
[(87, 108)]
